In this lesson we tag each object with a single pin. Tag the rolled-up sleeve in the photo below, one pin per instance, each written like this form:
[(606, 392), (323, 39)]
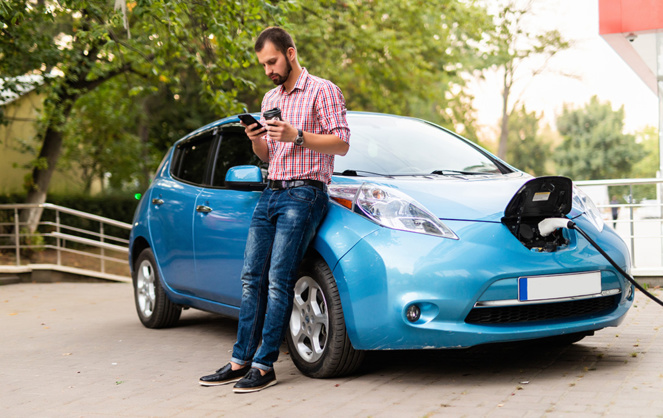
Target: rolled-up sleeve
[(331, 110)]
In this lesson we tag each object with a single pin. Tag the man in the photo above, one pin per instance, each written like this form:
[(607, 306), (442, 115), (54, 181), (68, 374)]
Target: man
[(300, 149)]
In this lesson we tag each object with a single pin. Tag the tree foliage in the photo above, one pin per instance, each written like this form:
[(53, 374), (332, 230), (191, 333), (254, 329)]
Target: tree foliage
[(528, 149), (394, 56), (400, 57), (122, 87), (86, 44), (514, 45), (648, 166), (595, 145)]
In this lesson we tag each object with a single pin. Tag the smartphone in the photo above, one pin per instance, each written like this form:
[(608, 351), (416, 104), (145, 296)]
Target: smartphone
[(249, 120)]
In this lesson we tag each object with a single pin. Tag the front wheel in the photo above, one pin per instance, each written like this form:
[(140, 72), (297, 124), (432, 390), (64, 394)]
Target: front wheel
[(317, 338), (154, 308)]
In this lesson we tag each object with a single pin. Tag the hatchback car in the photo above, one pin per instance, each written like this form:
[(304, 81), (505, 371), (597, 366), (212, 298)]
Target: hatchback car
[(430, 242)]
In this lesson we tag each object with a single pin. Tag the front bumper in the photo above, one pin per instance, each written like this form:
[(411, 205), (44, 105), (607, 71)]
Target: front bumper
[(389, 270)]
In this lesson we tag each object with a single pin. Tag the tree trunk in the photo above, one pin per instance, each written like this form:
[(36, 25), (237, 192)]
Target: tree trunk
[(144, 133), (52, 143), (504, 130), (42, 173)]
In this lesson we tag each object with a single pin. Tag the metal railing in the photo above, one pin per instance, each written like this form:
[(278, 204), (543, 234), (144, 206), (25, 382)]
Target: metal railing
[(67, 239), (639, 222)]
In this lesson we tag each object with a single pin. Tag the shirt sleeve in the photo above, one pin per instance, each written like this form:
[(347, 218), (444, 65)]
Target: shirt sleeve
[(331, 111)]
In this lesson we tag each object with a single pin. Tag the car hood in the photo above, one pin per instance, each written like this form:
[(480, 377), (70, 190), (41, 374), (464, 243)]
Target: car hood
[(471, 197)]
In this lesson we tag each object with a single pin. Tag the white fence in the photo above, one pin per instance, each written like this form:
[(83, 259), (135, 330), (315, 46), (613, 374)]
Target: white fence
[(638, 222)]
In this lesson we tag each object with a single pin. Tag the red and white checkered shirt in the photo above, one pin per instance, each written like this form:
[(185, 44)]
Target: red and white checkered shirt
[(314, 105)]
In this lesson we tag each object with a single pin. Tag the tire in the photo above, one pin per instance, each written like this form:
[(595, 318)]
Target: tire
[(317, 339), (154, 308)]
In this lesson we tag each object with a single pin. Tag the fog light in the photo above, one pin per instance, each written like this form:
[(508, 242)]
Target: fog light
[(413, 313)]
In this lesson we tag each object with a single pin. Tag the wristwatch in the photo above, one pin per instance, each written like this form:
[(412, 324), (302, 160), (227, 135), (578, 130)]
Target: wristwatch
[(300, 138)]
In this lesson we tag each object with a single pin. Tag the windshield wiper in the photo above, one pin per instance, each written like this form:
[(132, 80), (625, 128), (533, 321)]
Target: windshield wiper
[(355, 173), (454, 172)]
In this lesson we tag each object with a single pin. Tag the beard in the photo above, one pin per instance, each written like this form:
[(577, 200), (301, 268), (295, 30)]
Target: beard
[(280, 78)]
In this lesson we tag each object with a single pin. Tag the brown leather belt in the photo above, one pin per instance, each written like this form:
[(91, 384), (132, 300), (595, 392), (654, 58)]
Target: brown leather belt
[(289, 184)]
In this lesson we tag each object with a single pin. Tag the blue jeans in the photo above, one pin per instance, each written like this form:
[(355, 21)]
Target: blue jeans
[(283, 224)]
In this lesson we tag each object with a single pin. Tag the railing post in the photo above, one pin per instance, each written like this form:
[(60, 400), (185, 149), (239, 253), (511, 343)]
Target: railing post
[(58, 242), (17, 237), (103, 253)]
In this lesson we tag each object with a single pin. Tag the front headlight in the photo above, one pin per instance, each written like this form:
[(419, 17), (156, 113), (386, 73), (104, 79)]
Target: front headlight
[(582, 203), (390, 208)]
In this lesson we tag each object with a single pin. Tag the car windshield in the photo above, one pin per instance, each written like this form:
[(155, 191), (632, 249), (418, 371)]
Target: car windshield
[(396, 146)]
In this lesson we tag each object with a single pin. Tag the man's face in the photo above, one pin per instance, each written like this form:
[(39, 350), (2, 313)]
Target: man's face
[(277, 66)]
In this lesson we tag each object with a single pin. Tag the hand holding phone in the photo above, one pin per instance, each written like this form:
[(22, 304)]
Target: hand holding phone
[(250, 120)]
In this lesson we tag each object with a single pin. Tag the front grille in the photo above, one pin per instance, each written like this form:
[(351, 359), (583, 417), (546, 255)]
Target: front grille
[(543, 311)]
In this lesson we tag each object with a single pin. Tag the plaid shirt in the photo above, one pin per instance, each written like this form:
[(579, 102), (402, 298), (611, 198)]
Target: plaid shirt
[(314, 105)]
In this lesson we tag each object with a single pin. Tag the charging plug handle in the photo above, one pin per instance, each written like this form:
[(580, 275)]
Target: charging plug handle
[(549, 225)]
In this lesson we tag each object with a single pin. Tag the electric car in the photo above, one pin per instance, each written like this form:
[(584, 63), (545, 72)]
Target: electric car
[(430, 242)]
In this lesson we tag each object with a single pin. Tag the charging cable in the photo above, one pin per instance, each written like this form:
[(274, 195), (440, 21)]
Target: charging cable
[(548, 225)]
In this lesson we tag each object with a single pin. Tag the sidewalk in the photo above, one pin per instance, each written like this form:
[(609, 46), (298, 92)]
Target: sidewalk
[(78, 349)]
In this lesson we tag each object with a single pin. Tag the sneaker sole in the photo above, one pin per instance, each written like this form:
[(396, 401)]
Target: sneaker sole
[(225, 382), (255, 389)]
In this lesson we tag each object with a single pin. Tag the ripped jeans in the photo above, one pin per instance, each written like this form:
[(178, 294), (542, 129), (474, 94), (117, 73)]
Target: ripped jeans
[(283, 224)]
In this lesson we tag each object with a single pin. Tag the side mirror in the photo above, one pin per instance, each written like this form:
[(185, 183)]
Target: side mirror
[(244, 177)]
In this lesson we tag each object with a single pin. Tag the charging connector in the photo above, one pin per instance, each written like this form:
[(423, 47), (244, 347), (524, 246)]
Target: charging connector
[(549, 225)]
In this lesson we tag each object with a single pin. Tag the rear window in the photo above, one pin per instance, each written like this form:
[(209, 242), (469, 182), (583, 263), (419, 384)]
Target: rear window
[(191, 159)]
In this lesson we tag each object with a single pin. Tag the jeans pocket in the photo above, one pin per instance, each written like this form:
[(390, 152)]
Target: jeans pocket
[(306, 194)]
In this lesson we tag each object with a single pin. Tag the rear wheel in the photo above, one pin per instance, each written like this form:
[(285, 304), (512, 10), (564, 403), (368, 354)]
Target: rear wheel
[(317, 338), (154, 308)]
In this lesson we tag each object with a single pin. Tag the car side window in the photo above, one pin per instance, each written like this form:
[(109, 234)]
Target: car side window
[(234, 149), (192, 159)]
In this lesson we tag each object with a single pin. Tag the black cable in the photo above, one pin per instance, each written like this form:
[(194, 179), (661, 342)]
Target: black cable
[(572, 225)]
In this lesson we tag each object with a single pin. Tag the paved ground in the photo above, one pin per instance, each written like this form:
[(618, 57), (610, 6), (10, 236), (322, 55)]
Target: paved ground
[(78, 349)]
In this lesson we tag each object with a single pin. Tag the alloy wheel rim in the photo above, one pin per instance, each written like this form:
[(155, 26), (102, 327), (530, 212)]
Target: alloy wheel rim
[(145, 291), (309, 322)]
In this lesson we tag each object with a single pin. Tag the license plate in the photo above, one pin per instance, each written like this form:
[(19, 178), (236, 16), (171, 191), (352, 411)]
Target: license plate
[(559, 286)]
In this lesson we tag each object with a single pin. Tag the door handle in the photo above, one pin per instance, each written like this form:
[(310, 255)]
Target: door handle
[(157, 201), (203, 209)]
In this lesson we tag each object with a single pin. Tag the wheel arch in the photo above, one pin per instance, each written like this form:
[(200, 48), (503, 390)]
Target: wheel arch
[(138, 245), (330, 259)]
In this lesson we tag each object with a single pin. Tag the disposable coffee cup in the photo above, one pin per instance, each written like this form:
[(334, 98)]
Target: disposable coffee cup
[(272, 114)]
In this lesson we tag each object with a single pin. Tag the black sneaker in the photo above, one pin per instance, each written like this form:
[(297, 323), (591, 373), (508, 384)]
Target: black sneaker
[(254, 381), (224, 376)]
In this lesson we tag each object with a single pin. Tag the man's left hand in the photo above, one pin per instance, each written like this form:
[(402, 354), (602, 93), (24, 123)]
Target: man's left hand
[(281, 131)]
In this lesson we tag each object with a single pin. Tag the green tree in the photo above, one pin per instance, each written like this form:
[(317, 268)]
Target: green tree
[(515, 45), (648, 166), (528, 150), (87, 43), (594, 143), (101, 140), (405, 57)]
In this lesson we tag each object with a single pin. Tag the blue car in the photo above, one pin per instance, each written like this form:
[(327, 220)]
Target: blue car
[(430, 242)]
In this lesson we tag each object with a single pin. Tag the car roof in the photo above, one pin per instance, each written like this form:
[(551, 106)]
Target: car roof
[(235, 119)]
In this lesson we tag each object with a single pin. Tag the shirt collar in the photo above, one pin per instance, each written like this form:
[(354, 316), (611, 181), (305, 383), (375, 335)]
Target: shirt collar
[(300, 84)]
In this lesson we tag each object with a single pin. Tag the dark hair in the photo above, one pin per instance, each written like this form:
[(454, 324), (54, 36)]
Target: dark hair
[(277, 36)]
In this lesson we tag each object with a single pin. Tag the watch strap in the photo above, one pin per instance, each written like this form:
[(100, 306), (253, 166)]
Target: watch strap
[(299, 140)]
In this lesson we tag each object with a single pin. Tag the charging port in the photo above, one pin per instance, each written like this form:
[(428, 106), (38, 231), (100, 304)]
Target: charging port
[(536, 200)]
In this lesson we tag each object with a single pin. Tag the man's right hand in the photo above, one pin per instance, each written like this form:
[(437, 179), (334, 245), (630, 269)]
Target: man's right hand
[(254, 131)]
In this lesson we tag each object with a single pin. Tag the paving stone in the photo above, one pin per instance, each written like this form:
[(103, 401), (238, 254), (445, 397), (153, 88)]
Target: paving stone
[(78, 349)]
